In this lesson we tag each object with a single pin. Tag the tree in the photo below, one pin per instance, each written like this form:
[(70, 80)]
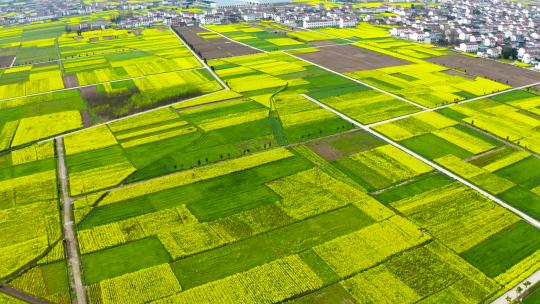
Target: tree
[(452, 36), (509, 52)]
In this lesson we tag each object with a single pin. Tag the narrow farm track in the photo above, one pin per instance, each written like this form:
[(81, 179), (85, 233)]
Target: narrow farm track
[(70, 236), (488, 152), (57, 47), (513, 145), (22, 295), (12, 63), (223, 84), (439, 168)]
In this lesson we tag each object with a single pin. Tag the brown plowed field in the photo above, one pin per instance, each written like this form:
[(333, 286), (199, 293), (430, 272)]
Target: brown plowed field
[(491, 69), (349, 58), (212, 48)]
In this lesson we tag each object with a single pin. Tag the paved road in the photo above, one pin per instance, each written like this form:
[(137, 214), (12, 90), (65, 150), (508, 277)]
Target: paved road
[(223, 84), (512, 293), (22, 295), (69, 229), (521, 214)]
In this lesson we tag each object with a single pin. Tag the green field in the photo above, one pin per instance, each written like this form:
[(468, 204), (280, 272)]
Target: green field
[(184, 191)]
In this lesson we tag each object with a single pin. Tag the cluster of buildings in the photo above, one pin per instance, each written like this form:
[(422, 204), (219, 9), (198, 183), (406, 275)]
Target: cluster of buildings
[(298, 15), (488, 28), (21, 12)]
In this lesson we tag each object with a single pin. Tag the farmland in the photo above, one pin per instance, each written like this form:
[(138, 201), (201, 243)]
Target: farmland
[(96, 77), (305, 178)]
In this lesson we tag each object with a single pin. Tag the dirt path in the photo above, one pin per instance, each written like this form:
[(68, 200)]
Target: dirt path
[(70, 236), (439, 168), (21, 295), (488, 152), (509, 143)]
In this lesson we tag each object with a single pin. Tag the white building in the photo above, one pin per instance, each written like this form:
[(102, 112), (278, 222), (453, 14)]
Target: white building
[(210, 19), (308, 23), (343, 22), (417, 36), (468, 47)]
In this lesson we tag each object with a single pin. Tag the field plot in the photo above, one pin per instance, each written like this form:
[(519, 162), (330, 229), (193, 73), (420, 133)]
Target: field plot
[(265, 74), (271, 36), (26, 80), (102, 56), (157, 69), (211, 46), (487, 162), (507, 116), (405, 48), (24, 120), (116, 99), (400, 67), (210, 129), (348, 58), (201, 236), (381, 167), (48, 279), (253, 193), (206, 245), (423, 82), (368, 106), (363, 30), (29, 208), (257, 37), (29, 44), (490, 69), (456, 215)]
